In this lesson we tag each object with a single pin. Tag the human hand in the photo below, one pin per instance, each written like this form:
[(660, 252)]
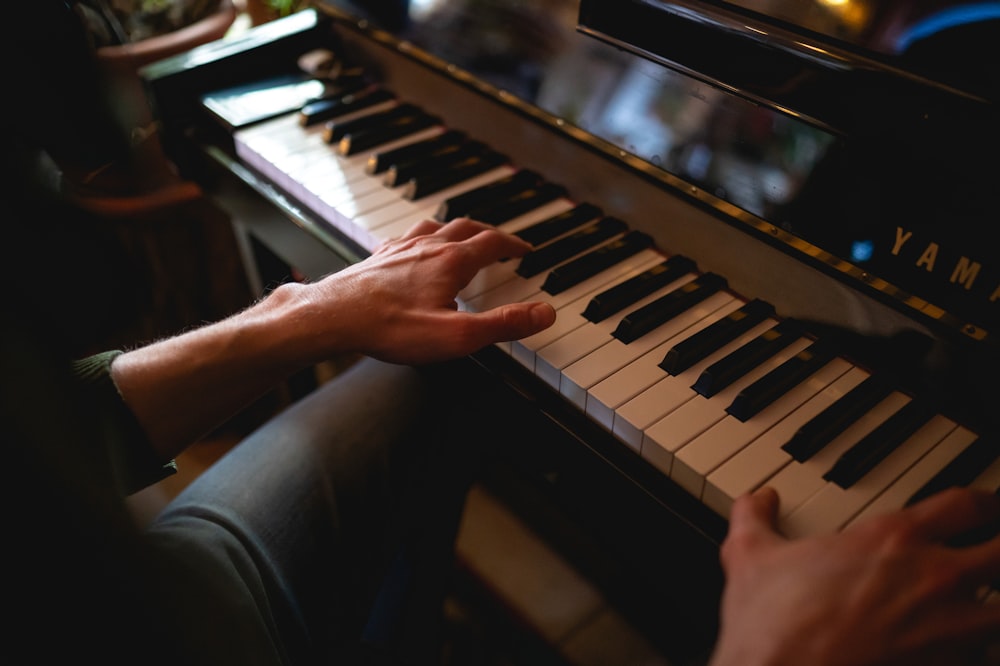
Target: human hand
[(885, 591), (399, 304)]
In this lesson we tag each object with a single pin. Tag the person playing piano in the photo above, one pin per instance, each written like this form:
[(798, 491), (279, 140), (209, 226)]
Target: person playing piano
[(331, 524)]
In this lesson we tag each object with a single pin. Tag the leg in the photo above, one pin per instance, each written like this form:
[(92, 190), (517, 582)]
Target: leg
[(356, 480)]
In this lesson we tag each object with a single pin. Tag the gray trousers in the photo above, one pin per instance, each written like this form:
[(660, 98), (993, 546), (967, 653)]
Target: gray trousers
[(326, 536)]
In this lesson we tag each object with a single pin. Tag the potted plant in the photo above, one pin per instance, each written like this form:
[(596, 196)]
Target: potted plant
[(128, 35), (262, 11)]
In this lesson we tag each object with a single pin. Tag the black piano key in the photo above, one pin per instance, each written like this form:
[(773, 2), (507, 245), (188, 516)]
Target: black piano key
[(879, 443), (758, 395), (617, 298), (961, 471), (355, 142), (462, 204), (576, 271), (380, 161), (684, 354), (639, 322), (518, 204), (336, 106), (825, 426), (557, 225), (338, 129), (474, 165), (556, 252), (725, 371), (439, 160)]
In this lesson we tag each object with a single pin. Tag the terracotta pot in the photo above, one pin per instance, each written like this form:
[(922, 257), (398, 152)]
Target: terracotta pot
[(131, 57), (260, 12), (121, 63), (152, 179)]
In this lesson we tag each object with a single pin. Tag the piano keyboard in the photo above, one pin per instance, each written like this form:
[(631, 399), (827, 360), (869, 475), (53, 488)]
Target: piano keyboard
[(714, 390)]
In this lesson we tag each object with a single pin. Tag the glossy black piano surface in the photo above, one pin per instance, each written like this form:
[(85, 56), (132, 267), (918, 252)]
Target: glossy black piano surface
[(857, 127), (801, 226)]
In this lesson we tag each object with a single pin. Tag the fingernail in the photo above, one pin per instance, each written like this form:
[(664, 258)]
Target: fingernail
[(542, 315)]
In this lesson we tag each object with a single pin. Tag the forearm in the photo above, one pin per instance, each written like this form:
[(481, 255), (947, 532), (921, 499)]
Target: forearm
[(182, 387), (397, 305)]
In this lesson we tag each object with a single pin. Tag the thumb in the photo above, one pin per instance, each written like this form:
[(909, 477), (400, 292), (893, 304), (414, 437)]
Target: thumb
[(516, 320), (752, 524), (763, 504)]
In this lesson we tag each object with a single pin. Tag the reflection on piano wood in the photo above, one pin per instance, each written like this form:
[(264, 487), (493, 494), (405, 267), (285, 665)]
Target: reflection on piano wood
[(714, 390)]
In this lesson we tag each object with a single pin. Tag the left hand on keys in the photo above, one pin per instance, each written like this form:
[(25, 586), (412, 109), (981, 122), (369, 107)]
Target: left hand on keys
[(886, 591)]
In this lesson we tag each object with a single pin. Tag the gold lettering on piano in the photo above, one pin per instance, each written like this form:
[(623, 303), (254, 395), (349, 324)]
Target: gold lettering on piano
[(929, 257), (901, 238), (965, 272)]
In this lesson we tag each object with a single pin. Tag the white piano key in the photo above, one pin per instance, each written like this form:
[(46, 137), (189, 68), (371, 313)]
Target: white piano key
[(320, 169), (569, 315), (627, 382), (344, 184), (511, 291), (393, 220), (523, 288), (569, 318), (326, 213), (279, 137), (572, 301), (896, 495), (313, 171), (662, 440), (342, 177), (989, 479), (353, 207), (586, 289), (301, 162), (752, 466), (495, 275), (316, 159), (798, 481), (264, 153), (715, 446), (292, 121), (325, 175), (574, 345), (534, 216), (581, 375), (668, 394), (831, 507), (597, 283)]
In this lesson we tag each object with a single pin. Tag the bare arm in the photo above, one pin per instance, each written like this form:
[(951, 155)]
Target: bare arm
[(397, 305)]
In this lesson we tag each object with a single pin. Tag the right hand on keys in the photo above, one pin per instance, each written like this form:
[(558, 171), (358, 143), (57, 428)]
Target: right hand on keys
[(886, 591), (401, 300)]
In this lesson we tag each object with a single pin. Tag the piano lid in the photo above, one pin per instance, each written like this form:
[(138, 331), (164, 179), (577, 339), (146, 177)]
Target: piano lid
[(856, 134)]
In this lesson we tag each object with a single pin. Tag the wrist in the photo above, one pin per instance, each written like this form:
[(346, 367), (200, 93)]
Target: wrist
[(296, 325)]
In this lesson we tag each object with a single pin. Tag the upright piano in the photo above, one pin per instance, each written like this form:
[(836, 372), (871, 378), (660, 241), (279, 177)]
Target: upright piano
[(765, 226)]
